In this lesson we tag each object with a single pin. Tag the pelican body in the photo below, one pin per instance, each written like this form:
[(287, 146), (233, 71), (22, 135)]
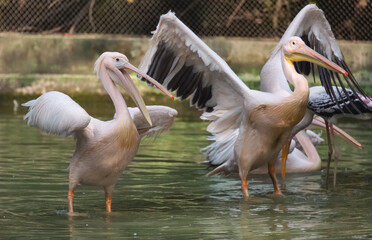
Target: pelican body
[(311, 25), (256, 124), (103, 148)]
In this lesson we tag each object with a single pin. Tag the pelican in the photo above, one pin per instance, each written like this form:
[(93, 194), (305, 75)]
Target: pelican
[(264, 121), (311, 25), (103, 148)]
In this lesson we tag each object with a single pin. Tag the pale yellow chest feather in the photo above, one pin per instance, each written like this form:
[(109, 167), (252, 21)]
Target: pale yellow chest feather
[(127, 136)]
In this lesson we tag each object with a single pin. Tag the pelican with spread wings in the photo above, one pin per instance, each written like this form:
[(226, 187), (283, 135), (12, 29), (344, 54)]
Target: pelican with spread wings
[(183, 63), (103, 148)]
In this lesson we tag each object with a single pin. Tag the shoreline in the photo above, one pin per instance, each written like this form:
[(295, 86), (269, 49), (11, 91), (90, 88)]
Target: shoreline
[(75, 84), (88, 84)]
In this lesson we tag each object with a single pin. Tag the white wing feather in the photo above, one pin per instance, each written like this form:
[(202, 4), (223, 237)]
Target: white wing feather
[(311, 20), (189, 64), (56, 113), (185, 43), (162, 119), (222, 151)]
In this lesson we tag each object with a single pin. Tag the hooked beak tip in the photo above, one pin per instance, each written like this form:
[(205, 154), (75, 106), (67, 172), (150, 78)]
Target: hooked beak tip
[(346, 74)]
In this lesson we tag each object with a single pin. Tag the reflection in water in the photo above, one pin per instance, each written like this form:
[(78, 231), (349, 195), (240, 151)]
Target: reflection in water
[(75, 224), (164, 193)]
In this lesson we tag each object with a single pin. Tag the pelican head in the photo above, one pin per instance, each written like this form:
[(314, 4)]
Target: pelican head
[(113, 65), (295, 50)]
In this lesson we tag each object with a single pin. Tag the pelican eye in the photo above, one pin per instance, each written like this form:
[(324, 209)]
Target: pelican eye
[(293, 43), (117, 59)]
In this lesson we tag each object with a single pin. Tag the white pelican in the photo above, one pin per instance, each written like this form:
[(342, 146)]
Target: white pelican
[(103, 148), (264, 121), (311, 25)]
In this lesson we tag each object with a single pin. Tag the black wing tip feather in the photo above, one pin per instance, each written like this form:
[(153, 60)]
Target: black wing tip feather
[(159, 59), (186, 81), (328, 78)]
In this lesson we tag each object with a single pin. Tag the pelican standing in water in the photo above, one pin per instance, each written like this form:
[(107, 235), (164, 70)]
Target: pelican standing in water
[(103, 148), (179, 60), (311, 25)]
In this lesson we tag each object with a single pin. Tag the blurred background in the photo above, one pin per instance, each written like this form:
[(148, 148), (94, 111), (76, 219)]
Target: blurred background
[(350, 19), (48, 44)]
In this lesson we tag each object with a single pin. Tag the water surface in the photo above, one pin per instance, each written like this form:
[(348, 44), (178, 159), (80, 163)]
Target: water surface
[(164, 193)]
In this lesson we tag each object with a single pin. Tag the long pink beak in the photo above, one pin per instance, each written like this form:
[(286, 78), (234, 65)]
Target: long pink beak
[(304, 53), (150, 79), (125, 81)]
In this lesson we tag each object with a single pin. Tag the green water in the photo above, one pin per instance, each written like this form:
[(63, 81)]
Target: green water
[(164, 193)]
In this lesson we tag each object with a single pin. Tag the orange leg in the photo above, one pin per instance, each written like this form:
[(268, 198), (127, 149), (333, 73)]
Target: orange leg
[(271, 168), (285, 151), (70, 198), (108, 202), (245, 188)]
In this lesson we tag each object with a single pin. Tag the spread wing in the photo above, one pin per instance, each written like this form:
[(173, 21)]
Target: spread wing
[(183, 63), (56, 113), (162, 119), (311, 25)]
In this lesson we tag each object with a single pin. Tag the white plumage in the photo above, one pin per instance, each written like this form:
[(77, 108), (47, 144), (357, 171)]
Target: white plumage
[(103, 148), (311, 25), (179, 60), (161, 116), (55, 112), (228, 91)]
